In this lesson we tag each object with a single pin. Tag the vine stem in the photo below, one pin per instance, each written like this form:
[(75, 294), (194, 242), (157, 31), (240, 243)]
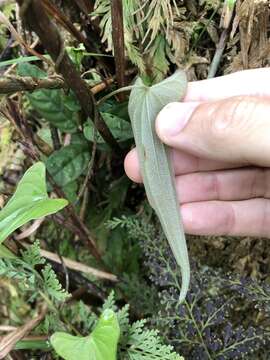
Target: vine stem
[(35, 16), (118, 91)]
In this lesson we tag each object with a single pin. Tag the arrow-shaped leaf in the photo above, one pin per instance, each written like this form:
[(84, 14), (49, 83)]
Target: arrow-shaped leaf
[(101, 344), (29, 202)]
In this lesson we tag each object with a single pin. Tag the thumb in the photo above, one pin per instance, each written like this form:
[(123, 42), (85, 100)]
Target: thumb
[(235, 130)]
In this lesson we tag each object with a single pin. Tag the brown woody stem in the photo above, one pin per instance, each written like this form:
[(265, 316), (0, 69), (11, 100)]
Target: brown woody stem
[(118, 42), (35, 16)]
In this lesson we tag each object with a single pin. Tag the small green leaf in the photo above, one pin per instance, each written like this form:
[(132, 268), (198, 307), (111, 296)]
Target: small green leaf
[(30, 201), (68, 163), (115, 108), (76, 54), (21, 59), (55, 107), (120, 128), (101, 344), (160, 61)]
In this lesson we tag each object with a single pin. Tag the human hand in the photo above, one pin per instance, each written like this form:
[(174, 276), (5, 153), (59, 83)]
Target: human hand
[(220, 137)]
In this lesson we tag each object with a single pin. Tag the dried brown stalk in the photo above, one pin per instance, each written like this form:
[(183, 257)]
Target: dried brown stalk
[(118, 42), (8, 342), (77, 266)]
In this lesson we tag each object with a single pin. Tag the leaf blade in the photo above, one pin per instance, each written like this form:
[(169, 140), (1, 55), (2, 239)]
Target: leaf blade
[(52, 104), (68, 163), (144, 106), (101, 344), (29, 202)]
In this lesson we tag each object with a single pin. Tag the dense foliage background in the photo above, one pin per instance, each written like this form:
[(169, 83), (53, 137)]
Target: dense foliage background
[(59, 60)]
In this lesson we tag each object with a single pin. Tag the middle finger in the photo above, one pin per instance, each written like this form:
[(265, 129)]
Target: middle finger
[(225, 185), (183, 163)]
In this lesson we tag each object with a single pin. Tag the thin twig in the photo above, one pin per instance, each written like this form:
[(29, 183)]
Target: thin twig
[(7, 328), (225, 24), (218, 54), (89, 168), (8, 342), (75, 265), (30, 230), (12, 84), (55, 137), (80, 280)]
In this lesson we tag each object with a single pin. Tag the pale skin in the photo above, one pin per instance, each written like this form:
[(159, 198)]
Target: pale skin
[(220, 140)]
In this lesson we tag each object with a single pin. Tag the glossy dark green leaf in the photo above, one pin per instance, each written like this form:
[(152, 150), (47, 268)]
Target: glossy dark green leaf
[(52, 104), (101, 344), (120, 128), (115, 108), (68, 163), (30, 201)]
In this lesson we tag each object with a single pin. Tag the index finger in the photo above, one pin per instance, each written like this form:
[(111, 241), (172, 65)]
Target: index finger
[(253, 82)]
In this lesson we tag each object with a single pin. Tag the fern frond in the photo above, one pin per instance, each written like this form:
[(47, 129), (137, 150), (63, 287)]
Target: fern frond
[(142, 343), (137, 342), (109, 303), (52, 285), (32, 255), (198, 327), (9, 269), (256, 292)]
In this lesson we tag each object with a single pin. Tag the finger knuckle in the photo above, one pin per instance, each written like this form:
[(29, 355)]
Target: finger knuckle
[(233, 117), (266, 183), (264, 226)]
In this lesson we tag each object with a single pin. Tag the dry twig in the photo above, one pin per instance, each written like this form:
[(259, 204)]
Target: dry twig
[(8, 342), (75, 265), (118, 42), (12, 84), (225, 24)]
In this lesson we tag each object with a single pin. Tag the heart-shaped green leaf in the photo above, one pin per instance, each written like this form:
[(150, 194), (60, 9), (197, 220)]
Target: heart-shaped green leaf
[(30, 201), (101, 344), (120, 128)]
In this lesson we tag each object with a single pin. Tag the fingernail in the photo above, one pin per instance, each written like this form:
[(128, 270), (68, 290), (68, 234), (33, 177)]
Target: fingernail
[(174, 117)]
